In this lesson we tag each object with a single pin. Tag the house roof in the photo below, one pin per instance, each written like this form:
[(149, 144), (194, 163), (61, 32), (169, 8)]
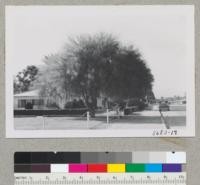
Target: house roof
[(33, 93)]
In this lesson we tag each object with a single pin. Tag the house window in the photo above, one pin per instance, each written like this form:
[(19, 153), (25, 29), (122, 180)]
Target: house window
[(21, 103), (38, 102)]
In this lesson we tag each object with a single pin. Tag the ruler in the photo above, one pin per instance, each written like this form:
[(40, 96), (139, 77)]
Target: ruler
[(100, 178)]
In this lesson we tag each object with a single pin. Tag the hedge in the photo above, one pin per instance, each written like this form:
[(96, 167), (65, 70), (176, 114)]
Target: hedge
[(54, 112)]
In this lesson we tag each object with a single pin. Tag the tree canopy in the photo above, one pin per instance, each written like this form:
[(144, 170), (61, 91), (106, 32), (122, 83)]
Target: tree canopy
[(129, 76), (94, 66), (24, 79), (54, 79)]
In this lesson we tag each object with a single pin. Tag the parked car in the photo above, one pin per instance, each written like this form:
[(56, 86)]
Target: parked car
[(163, 106)]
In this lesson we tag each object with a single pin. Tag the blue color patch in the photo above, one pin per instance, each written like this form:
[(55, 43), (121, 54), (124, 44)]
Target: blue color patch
[(153, 167)]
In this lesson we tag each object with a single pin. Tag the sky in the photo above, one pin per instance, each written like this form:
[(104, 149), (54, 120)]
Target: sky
[(162, 34)]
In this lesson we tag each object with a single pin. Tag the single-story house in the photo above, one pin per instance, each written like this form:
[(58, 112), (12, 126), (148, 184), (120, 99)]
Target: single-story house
[(21, 100), (33, 100)]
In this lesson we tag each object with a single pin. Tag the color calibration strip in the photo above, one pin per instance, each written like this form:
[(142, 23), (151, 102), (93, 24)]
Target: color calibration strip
[(99, 157), (99, 162), (97, 168)]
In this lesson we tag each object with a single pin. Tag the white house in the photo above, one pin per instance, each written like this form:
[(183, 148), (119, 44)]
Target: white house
[(37, 101), (29, 97)]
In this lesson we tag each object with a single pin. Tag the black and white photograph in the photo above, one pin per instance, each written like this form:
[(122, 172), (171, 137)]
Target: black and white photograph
[(100, 71)]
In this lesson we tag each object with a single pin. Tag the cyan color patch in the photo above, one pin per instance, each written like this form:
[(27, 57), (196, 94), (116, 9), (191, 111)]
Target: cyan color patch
[(153, 167)]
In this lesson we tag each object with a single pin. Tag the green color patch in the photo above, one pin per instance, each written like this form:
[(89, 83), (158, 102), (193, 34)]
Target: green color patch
[(135, 167)]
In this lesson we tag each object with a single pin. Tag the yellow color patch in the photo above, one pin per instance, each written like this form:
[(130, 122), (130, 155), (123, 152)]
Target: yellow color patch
[(113, 168)]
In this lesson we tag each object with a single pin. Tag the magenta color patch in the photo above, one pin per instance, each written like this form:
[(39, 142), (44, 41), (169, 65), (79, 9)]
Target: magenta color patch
[(77, 168)]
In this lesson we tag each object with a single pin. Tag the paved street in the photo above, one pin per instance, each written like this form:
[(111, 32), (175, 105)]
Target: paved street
[(137, 120)]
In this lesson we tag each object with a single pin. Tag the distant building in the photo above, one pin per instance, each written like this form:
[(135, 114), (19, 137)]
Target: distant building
[(173, 100)]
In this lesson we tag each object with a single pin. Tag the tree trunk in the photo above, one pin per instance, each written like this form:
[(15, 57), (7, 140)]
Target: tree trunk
[(91, 104)]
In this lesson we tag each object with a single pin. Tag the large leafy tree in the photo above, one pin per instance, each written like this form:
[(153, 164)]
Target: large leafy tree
[(24, 79), (93, 66), (92, 57), (107, 68)]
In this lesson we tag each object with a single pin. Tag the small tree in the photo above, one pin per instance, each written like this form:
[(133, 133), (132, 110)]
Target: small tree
[(55, 79), (24, 79)]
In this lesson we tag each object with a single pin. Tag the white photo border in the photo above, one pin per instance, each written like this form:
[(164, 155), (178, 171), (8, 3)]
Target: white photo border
[(188, 131)]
